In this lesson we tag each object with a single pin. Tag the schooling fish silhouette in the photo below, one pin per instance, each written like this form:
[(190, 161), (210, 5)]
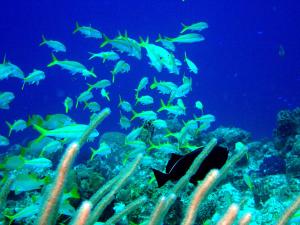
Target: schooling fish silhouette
[(178, 165)]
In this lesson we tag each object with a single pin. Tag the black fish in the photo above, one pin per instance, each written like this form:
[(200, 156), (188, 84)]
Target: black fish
[(178, 165)]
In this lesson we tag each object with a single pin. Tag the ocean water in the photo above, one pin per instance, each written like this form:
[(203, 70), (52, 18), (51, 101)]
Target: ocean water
[(249, 62), (242, 79)]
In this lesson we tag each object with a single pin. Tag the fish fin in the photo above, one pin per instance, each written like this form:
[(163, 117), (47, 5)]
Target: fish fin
[(174, 158), (106, 41), (77, 28), (161, 178), (10, 127), (154, 84), (44, 40), (54, 61)]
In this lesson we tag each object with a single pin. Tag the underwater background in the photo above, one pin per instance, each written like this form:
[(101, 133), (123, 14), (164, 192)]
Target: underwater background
[(249, 71)]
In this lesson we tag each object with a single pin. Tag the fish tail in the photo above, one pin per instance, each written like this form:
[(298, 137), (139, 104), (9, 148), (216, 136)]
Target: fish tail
[(4, 58), (161, 178), (77, 28), (67, 109), (152, 146), (159, 38), (10, 127), (42, 130), (107, 96), (113, 76), (154, 84), (76, 103), (74, 192), (120, 101), (93, 153), (11, 218), (143, 42), (91, 87), (185, 27), (92, 72), (23, 84), (44, 40), (54, 61), (135, 115), (106, 41), (92, 55), (163, 106)]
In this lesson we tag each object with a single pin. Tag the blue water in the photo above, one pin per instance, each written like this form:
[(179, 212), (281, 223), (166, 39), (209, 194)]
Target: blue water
[(242, 78)]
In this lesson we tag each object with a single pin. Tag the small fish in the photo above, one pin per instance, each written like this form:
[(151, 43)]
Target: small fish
[(120, 67), (72, 131), (18, 125), (88, 31), (84, 97), (144, 115), (92, 106), (192, 66), (199, 105), (56, 46), (194, 27), (7, 69), (207, 118), (187, 38), (27, 182), (68, 103), (159, 124), (24, 213), (72, 66), (51, 147), (99, 84), (144, 100), (124, 44), (178, 165), (181, 104), (165, 148), (5, 99), (164, 87), (105, 56), (171, 109), (105, 94), (142, 85), (3, 141), (34, 78), (103, 150), (124, 105), (53, 121), (38, 163), (166, 43), (124, 122), (133, 135)]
